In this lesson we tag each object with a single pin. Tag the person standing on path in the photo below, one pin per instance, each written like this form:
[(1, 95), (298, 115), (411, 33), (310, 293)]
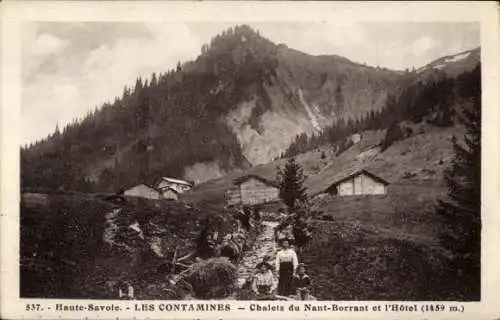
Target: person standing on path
[(286, 263)]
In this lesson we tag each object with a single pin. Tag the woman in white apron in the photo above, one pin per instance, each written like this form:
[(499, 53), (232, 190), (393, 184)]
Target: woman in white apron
[(286, 263)]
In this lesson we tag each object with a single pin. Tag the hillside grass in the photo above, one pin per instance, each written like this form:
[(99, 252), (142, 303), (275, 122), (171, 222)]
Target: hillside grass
[(59, 236), (408, 208), (422, 156), (351, 262), (64, 253), (381, 247)]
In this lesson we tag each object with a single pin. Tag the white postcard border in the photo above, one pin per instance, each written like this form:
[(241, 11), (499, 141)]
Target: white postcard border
[(13, 13)]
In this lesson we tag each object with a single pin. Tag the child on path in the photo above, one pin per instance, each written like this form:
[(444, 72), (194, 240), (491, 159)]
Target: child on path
[(302, 283), (263, 284), (301, 280)]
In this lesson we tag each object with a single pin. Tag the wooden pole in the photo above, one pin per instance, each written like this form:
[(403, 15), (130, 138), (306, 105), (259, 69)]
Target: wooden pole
[(174, 260), (189, 255)]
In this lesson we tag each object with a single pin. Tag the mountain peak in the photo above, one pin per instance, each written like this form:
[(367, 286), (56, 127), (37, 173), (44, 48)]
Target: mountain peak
[(245, 30), (455, 64), (240, 38)]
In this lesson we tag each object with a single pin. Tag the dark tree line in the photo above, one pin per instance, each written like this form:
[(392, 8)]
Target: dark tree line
[(157, 126), (336, 133), (434, 102), (461, 210)]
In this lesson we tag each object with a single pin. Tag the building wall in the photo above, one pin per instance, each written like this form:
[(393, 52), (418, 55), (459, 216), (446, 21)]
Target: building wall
[(355, 138), (254, 191), (170, 195), (233, 196), (143, 191), (360, 185), (370, 186), (180, 188), (346, 188)]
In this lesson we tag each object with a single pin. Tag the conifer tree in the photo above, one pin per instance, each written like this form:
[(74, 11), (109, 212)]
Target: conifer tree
[(392, 134), (154, 81), (138, 85), (291, 180), (57, 133), (461, 211), (339, 98)]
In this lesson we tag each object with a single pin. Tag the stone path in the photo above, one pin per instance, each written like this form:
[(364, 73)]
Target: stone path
[(264, 245)]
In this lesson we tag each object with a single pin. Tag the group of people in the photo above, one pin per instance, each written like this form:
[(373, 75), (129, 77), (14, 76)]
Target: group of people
[(292, 278), (247, 217)]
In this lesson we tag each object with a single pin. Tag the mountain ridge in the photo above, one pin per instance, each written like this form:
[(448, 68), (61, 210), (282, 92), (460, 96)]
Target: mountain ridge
[(240, 103)]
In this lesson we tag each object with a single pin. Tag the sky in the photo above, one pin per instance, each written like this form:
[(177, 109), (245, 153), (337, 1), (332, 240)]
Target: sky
[(70, 68)]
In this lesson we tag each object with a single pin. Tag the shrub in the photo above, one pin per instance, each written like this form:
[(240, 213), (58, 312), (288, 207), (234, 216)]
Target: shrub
[(408, 175), (408, 132), (393, 134), (327, 217)]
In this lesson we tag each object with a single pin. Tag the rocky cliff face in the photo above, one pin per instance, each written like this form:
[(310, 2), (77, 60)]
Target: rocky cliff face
[(299, 94)]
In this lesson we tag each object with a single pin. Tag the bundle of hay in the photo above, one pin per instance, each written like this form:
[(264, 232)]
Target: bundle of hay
[(212, 279)]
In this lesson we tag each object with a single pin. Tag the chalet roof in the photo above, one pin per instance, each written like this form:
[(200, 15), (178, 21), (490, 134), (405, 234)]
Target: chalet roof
[(171, 189), (138, 185), (346, 175), (244, 178), (177, 181)]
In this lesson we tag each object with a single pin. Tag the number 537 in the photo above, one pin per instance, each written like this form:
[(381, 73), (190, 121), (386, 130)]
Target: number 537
[(33, 307)]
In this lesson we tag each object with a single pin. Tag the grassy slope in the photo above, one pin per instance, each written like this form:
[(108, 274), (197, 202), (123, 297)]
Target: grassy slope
[(63, 254), (56, 229), (419, 154), (386, 247), (377, 247), (350, 262)]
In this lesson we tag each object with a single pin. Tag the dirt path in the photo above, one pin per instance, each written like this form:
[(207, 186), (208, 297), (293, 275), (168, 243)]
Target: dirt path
[(264, 245)]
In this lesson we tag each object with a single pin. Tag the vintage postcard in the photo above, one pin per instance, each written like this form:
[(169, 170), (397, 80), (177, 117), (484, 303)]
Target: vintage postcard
[(249, 160)]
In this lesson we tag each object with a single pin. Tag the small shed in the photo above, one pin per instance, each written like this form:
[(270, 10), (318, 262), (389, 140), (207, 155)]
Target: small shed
[(355, 138), (143, 191), (178, 185), (358, 182), (251, 190)]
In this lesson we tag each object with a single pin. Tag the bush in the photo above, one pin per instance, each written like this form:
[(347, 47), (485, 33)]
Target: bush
[(327, 217), (408, 132), (408, 175), (393, 134), (343, 145)]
